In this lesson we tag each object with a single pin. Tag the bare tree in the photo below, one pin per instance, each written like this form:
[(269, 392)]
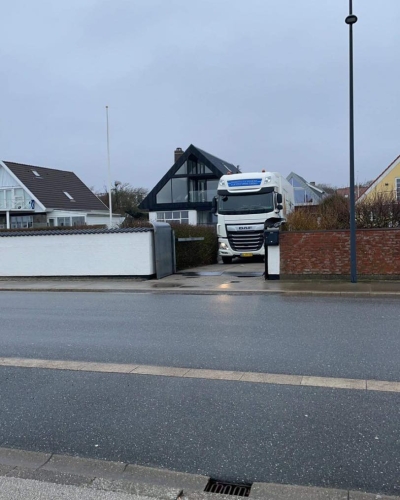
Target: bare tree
[(125, 199)]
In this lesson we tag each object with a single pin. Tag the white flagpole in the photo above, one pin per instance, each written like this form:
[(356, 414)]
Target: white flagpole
[(109, 171)]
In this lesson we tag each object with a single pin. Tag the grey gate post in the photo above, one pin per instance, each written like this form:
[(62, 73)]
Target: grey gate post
[(164, 249)]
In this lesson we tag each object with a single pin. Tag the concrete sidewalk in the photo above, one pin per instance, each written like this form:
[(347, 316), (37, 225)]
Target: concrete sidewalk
[(46, 476), (237, 278)]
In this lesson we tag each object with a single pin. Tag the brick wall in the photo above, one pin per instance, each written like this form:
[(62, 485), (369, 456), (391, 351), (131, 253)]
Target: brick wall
[(327, 253)]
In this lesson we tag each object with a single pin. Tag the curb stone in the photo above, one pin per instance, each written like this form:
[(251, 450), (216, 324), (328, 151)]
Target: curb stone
[(160, 484), (185, 291)]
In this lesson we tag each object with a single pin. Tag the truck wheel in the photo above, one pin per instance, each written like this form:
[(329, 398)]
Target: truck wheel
[(227, 260)]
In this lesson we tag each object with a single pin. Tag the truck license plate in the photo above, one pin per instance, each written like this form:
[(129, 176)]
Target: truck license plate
[(246, 255)]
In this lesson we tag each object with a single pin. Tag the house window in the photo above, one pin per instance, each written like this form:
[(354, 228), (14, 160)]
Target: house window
[(175, 191), (78, 221), (398, 189), (182, 170), (203, 169), (14, 198), (165, 194), (21, 221), (203, 190), (179, 190), (300, 196), (36, 174), (181, 217), (63, 221), (205, 218), (295, 183), (197, 167), (192, 167)]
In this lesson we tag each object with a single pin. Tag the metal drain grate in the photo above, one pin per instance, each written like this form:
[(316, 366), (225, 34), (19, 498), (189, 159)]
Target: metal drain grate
[(225, 488)]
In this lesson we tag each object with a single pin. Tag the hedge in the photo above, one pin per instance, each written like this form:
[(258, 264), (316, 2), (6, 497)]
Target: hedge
[(195, 253)]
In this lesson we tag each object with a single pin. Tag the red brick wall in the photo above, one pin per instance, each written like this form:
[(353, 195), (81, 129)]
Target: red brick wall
[(328, 252)]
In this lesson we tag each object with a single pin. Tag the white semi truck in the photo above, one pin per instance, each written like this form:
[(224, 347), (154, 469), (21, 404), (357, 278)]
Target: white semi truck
[(243, 203)]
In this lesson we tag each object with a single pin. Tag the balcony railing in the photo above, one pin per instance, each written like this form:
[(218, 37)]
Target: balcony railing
[(202, 196), (17, 205)]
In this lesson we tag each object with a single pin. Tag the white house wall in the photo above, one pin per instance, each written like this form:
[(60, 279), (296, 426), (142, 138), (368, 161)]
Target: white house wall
[(104, 254), (6, 180), (94, 220)]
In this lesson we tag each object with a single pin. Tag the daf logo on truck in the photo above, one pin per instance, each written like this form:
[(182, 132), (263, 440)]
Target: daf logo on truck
[(245, 228)]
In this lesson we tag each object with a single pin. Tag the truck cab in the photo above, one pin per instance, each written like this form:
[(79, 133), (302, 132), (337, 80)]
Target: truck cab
[(243, 204)]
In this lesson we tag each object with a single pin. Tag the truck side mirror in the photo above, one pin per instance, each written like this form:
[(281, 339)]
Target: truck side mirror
[(214, 205), (279, 199), (279, 207)]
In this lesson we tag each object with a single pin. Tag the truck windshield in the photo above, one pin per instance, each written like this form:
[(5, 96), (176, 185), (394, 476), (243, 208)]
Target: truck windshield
[(252, 203)]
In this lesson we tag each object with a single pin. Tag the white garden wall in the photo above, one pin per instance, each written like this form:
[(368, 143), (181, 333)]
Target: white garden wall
[(88, 253)]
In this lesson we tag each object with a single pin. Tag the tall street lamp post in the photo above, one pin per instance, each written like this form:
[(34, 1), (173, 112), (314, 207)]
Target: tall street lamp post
[(110, 224), (350, 20)]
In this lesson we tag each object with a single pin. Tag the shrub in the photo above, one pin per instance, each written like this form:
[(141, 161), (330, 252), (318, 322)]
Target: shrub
[(303, 219), (195, 253), (380, 210), (334, 211), (331, 213)]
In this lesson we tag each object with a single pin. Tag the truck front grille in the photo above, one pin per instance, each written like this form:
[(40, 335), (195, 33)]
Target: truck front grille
[(246, 241)]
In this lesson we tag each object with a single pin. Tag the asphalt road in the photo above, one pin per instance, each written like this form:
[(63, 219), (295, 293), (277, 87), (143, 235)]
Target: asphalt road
[(228, 430), (353, 338), (241, 432)]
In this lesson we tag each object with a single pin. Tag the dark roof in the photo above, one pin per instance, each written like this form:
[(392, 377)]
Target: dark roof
[(223, 166), (50, 186), (217, 167), (60, 232)]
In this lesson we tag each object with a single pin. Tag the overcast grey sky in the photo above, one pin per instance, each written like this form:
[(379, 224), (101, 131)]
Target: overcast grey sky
[(259, 83)]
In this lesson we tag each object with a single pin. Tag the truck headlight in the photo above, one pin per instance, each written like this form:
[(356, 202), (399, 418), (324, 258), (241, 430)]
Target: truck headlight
[(223, 246)]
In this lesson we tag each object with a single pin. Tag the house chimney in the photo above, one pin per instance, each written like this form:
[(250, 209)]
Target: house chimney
[(312, 183), (177, 154)]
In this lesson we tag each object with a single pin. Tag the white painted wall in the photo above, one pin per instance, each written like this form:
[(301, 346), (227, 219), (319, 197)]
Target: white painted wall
[(105, 254), (192, 217), (6, 180), (95, 219)]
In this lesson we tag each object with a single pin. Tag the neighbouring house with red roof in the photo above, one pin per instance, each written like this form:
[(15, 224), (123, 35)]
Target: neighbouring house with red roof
[(358, 191)]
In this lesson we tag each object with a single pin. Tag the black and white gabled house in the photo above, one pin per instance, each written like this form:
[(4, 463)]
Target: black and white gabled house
[(186, 191), (33, 196)]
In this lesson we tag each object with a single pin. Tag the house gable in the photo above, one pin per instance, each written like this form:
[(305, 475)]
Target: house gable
[(54, 189), (214, 168), (386, 182), (6, 179), (14, 194), (304, 192)]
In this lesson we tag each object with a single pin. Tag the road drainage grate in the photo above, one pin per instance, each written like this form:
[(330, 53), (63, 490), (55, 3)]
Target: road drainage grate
[(225, 488)]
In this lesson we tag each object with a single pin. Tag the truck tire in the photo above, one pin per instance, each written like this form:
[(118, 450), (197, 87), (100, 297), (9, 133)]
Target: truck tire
[(227, 260)]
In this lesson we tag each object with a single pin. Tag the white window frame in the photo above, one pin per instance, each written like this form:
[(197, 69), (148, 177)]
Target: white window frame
[(161, 217), (397, 188)]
